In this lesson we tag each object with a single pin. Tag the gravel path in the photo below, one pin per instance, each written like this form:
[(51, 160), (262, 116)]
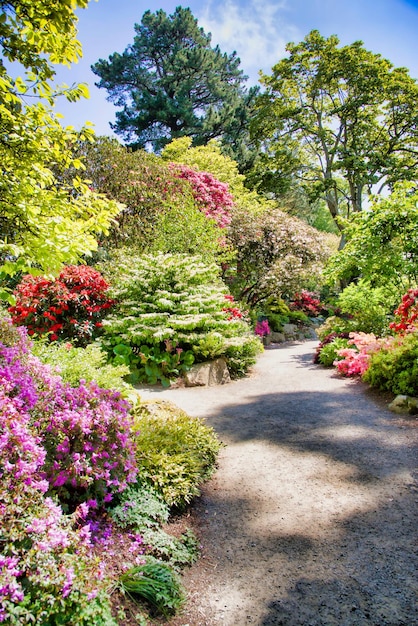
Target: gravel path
[(310, 519)]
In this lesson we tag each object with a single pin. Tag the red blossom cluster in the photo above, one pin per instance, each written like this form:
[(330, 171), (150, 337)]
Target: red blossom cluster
[(408, 313), (307, 302), (70, 307), (232, 311), (211, 196)]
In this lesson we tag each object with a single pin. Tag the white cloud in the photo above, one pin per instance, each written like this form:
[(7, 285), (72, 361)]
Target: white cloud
[(257, 31)]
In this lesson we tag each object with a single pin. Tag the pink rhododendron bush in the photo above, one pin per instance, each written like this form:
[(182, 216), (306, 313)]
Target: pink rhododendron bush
[(389, 363), (354, 361), (58, 446), (212, 196)]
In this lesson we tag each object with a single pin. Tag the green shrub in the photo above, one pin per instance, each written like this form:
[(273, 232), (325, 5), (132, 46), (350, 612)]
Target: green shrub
[(140, 506), (211, 346), (275, 310), (156, 583), (175, 453), (153, 364), (298, 317), (276, 306), (176, 551), (328, 353), (335, 324), (89, 363), (277, 321), (143, 509), (185, 229), (369, 307), (171, 310), (395, 368), (241, 355)]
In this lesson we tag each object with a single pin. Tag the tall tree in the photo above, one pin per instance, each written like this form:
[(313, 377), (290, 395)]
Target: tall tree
[(170, 82), (44, 221), (342, 120)]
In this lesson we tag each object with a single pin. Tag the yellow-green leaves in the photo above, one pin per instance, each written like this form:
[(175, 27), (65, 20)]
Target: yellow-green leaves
[(46, 219)]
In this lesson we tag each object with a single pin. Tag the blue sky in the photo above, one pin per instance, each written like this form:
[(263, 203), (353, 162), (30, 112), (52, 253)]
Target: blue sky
[(258, 30)]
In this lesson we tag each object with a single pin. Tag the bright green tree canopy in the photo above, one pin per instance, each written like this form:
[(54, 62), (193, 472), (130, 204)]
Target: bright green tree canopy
[(341, 119), (382, 242), (44, 220)]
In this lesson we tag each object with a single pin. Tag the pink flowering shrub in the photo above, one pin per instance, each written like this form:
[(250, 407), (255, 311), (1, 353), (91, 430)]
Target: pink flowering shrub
[(82, 433), (54, 441), (211, 195), (46, 569), (355, 361), (262, 328)]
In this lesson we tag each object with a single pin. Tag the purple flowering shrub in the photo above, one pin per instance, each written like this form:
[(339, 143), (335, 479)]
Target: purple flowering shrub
[(84, 431), (46, 570), (55, 441)]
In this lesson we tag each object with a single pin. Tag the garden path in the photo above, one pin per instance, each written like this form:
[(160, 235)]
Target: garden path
[(310, 519)]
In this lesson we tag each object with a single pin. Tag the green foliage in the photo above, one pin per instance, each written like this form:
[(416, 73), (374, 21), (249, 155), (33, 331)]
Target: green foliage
[(176, 551), (336, 324), (40, 33), (153, 364), (45, 222), (167, 306), (277, 321), (142, 509), (140, 506), (328, 353), (211, 346), (368, 307), (156, 583), (89, 363), (395, 368), (298, 317), (175, 453), (184, 229), (382, 242), (321, 111), (241, 355), (170, 82)]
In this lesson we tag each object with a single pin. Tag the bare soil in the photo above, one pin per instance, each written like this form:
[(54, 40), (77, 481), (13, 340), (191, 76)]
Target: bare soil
[(310, 519)]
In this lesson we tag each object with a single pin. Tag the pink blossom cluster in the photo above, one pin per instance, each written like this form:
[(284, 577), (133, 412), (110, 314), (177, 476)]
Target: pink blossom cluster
[(262, 328), (83, 433), (212, 196), (356, 360), (65, 441), (306, 301)]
